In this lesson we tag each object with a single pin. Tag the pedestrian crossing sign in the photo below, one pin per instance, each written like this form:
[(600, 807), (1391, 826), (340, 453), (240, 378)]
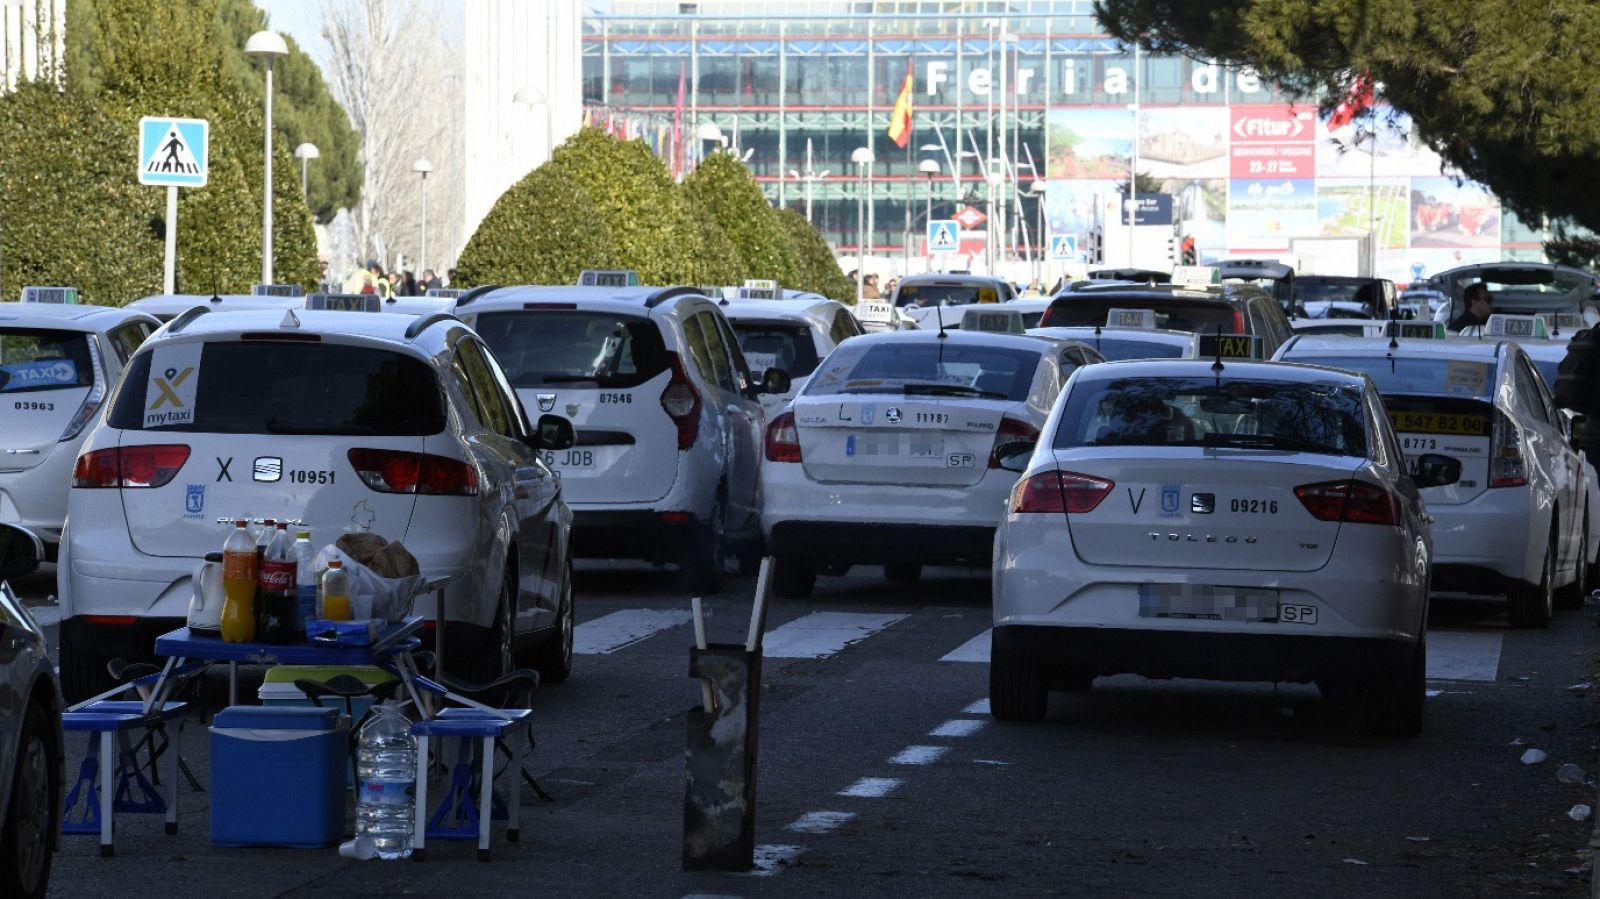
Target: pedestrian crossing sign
[(1063, 246), (173, 152), (943, 236)]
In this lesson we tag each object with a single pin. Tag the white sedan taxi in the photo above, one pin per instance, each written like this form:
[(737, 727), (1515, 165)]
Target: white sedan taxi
[(1238, 521), (793, 335), (1515, 523), (887, 456)]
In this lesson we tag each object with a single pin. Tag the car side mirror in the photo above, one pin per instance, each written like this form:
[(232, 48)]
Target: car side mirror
[(1014, 455), (775, 380), (552, 432), (21, 551), (1435, 470), (1576, 424)]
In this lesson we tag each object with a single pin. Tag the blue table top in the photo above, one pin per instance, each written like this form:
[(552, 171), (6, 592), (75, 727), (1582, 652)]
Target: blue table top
[(392, 638)]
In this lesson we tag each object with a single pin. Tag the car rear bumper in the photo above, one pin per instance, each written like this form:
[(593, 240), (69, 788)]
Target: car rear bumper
[(1494, 539), (1298, 658), (845, 543), (117, 636), (633, 534)]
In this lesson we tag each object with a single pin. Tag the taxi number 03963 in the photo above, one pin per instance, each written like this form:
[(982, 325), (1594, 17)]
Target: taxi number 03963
[(606, 398), (34, 407), (310, 476), (1254, 506)]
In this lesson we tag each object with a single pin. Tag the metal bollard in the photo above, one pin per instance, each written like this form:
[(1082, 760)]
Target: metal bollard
[(719, 803)]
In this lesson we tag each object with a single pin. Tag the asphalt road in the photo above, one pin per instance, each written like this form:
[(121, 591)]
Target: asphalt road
[(880, 774)]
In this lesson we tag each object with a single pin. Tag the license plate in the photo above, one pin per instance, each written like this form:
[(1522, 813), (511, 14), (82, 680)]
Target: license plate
[(569, 459), (1207, 602), (924, 446)]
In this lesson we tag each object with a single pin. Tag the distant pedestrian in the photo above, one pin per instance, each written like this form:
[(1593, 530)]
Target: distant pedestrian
[(449, 278), (869, 289), (1479, 308), (425, 282)]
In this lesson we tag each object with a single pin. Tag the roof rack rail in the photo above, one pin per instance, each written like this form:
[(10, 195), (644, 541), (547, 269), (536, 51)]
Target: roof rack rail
[(185, 317), (668, 293), (474, 293), (428, 321)]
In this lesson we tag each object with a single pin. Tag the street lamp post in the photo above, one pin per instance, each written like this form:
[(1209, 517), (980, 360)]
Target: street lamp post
[(930, 170), (305, 153), (423, 167), (269, 46), (1041, 242), (810, 176), (863, 158)]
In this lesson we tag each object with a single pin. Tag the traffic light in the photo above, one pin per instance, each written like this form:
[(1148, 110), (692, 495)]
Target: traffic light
[(1093, 246), (1186, 248), (1172, 251)]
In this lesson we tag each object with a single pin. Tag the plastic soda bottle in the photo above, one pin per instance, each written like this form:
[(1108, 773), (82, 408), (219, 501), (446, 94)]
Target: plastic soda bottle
[(335, 592), (305, 579), (239, 585), (276, 602), (386, 768)]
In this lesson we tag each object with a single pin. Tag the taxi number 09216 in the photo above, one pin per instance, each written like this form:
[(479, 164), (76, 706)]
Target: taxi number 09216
[(1254, 506), (302, 476), (34, 406)]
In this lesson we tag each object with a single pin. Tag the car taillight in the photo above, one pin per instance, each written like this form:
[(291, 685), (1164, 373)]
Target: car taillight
[(1507, 468), (783, 440), (1044, 318), (1353, 501), (1011, 430), (682, 404), (154, 465), (396, 471), (1060, 491), (1238, 322)]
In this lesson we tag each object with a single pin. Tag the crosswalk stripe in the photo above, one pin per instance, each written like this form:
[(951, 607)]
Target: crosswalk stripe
[(821, 634), (610, 633), (1452, 655)]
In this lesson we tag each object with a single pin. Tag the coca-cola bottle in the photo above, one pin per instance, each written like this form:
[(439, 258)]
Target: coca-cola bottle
[(275, 600)]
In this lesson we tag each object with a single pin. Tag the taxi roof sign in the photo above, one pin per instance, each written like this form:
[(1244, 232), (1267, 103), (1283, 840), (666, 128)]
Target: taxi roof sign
[(608, 277), (760, 289), (1229, 346), (60, 296), (874, 312), (1143, 319), (277, 290), (1555, 321), (1500, 325), (448, 293), (1196, 275), (1414, 330), (995, 321), (345, 302)]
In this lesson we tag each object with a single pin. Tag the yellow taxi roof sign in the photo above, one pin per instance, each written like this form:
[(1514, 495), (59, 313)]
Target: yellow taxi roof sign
[(1414, 330)]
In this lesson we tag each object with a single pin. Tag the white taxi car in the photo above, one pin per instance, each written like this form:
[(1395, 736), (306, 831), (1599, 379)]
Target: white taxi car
[(887, 456), (1515, 523), (1244, 521), (57, 363), (336, 422), (793, 335), (667, 463), (168, 306)]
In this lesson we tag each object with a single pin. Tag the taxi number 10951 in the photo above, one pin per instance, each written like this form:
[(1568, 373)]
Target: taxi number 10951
[(303, 476)]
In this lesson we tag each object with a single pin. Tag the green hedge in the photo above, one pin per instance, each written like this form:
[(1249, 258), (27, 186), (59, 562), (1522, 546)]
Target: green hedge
[(543, 230), (816, 268), (723, 189)]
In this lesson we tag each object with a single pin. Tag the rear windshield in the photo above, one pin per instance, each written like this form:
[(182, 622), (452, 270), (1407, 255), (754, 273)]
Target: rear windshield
[(773, 345), (574, 347), (1082, 310), (1438, 377), (927, 369), (272, 387), (1302, 417), (33, 360), (945, 294), (1116, 348)]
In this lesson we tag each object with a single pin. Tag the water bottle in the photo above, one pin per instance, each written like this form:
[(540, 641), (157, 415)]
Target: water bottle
[(305, 579), (386, 769)]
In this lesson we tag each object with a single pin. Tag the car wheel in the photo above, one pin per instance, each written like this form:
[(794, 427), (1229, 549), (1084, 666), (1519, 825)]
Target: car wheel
[(703, 563), (1571, 596), (30, 823), (1530, 605), (793, 577), (1018, 689), (553, 659), (497, 656), (1069, 679), (902, 572), (83, 674), (1395, 696)]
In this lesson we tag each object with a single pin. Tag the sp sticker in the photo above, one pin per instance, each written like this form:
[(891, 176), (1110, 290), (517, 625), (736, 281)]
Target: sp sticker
[(194, 501)]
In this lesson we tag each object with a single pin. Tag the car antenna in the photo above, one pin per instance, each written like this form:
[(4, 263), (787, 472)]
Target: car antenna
[(1097, 337), (1394, 332), (216, 284), (938, 314), (1217, 365)]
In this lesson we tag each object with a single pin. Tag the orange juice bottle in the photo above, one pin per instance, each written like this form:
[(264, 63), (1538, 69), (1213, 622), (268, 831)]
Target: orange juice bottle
[(239, 585), (335, 592)]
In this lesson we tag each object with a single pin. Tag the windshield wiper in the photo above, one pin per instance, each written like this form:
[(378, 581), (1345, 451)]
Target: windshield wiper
[(1265, 441), (948, 390)]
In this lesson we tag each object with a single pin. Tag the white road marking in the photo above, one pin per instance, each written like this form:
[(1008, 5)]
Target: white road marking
[(974, 650), (821, 634), (1464, 655), (769, 858), (958, 727), (610, 633), (981, 707), (918, 755), (819, 822), (872, 787)]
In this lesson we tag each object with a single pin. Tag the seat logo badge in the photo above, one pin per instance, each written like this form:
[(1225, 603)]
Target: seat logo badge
[(268, 468), (547, 401), (892, 415), (1135, 501), (1203, 503)]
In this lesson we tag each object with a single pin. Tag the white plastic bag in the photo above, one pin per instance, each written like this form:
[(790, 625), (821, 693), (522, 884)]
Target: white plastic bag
[(371, 594)]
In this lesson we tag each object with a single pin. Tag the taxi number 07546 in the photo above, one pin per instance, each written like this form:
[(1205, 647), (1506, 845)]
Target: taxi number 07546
[(606, 398)]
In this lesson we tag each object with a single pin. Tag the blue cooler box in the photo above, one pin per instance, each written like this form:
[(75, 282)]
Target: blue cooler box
[(277, 776)]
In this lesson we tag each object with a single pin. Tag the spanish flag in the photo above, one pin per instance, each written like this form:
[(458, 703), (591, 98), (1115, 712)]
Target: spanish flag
[(900, 121)]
